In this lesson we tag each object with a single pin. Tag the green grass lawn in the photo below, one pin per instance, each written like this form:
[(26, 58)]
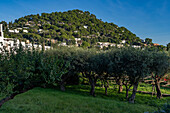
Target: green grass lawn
[(148, 87), (41, 100), (76, 99)]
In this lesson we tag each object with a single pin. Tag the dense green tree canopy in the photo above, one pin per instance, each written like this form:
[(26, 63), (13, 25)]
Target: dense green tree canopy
[(79, 24)]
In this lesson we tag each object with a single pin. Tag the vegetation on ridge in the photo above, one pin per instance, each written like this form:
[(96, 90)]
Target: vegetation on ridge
[(69, 25)]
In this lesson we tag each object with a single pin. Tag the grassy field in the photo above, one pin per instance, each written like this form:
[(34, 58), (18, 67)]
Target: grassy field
[(77, 100)]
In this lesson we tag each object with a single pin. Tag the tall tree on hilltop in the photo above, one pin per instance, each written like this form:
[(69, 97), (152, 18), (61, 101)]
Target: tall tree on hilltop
[(168, 46)]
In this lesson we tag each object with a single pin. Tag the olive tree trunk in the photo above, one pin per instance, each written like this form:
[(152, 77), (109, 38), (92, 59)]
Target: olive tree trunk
[(127, 93), (106, 85), (62, 87), (120, 86), (92, 91), (158, 90), (62, 83), (127, 90), (93, 84), (132, 98)]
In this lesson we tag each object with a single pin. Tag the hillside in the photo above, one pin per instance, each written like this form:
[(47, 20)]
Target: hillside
[(68, 26)]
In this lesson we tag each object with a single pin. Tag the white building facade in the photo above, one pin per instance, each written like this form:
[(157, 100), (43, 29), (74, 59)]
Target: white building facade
[(8, 43)]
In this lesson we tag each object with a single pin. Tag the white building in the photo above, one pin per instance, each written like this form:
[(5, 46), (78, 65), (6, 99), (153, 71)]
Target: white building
[(136, 46), (62, 44), (9, 43), (105, 44), (1, 32), (16, 30), (123, 41), (19, 28), (77, 39), (25, 27), (40, 30), (25, 31), (119, 45), (6, 42), (11, 31), (75, 31), (85, 27)]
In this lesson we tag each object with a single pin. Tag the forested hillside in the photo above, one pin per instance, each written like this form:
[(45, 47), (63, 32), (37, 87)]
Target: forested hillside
[(67, 26)]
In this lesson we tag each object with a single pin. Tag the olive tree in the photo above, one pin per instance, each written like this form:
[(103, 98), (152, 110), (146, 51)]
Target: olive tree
[(85, 64), (100, 67), (15, 73), (67, 56), (22, 70), (159, 67), (137, 63), (116, 66)]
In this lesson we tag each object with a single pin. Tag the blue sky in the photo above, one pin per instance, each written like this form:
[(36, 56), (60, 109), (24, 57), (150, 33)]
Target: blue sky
[(145, 18)]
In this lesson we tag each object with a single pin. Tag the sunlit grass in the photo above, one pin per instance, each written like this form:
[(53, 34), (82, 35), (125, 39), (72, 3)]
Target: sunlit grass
[(76, 99)]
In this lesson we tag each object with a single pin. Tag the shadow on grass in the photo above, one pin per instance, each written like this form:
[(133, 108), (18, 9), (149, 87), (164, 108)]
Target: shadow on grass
[(113, 94)]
